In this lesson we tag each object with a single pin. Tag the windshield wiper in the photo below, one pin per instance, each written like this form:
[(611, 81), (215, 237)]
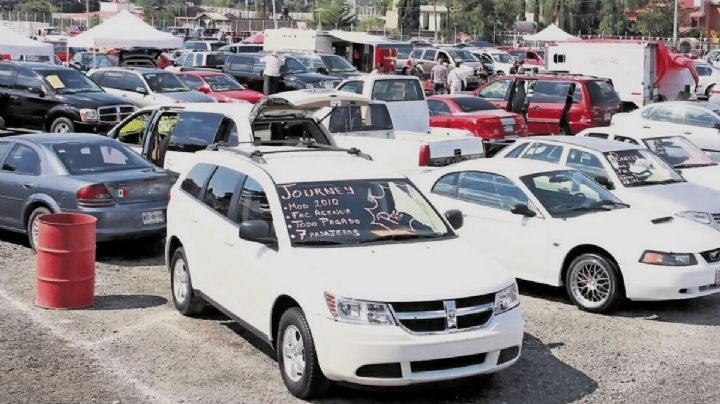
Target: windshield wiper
[(694, 165), (663, 182), (397, 237)]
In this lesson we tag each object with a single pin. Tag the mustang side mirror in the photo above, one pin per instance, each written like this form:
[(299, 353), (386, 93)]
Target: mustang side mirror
[(455, 217), (605, 182), (205, 89), (524, 210), (322, 70), (256, 231)]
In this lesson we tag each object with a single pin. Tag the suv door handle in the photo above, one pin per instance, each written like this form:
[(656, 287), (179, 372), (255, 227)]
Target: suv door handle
[(28, 185), (536, 108), (646, 126), (687, 132)]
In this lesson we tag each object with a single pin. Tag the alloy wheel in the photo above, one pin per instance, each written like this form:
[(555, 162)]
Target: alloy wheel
[(293, 351), (180, 281), (590, 283)]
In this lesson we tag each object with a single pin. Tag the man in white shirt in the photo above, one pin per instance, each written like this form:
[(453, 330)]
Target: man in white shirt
[(456, 79), (271, 74)]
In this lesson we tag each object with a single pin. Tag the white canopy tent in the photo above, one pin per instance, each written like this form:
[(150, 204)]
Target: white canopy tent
[(125, 30), (552, 33), (17, 45)]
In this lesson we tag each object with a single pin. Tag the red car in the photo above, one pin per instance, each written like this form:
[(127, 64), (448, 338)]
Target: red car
[(476, 115), (535, 57), (220, 86)]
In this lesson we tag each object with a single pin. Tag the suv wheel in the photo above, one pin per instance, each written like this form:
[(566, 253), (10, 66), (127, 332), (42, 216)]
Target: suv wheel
[(183, 296), (62, 125), (297, 358), (33, 225), (593, 283)]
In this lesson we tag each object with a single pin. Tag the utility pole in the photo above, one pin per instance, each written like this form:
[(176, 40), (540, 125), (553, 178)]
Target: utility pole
[(675, 23), (87, 14), (435, 16), (274, 14)]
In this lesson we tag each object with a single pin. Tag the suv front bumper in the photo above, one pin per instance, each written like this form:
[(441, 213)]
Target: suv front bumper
[(93, 127)]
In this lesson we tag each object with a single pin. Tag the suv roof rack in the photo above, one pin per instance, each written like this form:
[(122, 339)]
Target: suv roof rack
[(566, 73), (310, 145)]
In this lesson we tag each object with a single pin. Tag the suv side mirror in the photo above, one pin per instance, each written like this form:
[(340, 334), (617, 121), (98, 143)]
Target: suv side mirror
[(322, 70), (455, 217), (205, 89), (141, 90), (256, 231), (524, 210), (37, 90), (717, 126), (605, 182)]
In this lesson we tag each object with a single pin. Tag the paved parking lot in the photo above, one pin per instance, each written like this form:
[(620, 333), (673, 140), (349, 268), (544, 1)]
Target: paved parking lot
[(134, 347)]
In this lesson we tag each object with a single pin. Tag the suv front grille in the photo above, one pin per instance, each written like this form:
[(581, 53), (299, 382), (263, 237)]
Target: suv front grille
[(443, 316), (115, 113)]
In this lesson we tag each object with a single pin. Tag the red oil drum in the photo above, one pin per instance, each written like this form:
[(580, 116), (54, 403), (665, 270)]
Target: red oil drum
[(65, 261)]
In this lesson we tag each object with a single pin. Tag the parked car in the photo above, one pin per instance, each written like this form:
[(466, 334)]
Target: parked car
[(76, 30), (85, 61), (208, 60), (82, 173), (470, 65), (325, 63), (203, 45), (688, 159), (241, 48), (633, 173), (247, 69), (289, 215), (146, 86), (709, 77), (554, 104), (476, 115), (220, 86), (57, 99), (501, 60), (556, 226), (535, 57)]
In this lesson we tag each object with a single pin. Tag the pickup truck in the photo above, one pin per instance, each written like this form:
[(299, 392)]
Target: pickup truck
[(166, 134)]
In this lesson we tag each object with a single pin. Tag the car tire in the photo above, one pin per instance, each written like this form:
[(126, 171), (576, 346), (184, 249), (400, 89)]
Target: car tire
[(594, 284), (186, 302), (300, 370), (32, 225), (708, 90), (62, 125), (499, 73)]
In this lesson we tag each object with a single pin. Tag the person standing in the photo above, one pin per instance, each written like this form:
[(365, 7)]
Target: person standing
[(271, 74), (439, 77), (456, 79)]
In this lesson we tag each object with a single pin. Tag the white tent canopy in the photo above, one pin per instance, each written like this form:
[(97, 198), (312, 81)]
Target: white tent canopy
[(551, 33), (124, 30), (17, 45)]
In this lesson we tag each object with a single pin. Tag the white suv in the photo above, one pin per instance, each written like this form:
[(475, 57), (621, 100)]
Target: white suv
[(341, 265)]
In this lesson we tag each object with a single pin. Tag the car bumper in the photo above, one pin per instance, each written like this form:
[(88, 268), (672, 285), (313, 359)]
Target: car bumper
[(654, 282), (344, 349), (94, 127), (124, 221)]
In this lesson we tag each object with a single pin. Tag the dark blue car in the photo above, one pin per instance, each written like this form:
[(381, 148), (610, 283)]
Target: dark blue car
[(82, 173)]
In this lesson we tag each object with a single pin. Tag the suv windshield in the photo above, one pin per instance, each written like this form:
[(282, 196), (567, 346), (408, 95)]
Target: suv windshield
[(463, 56), (216, 59), (70, 82), (337, 64), (359, 211), (472, 104), (602, 93), (164, 82), (570, 193), (637, 168), (678, 152), (360, 119), (222, 82), (98, 157)]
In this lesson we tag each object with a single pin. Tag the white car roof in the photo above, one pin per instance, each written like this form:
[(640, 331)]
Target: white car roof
[(506, 167), (292, 164), (600, 145), (628, 132)]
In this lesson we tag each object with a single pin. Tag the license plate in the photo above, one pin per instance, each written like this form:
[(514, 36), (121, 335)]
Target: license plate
[(153, 217), (508, 121), (508, 129), (511, 137), (607, 116)]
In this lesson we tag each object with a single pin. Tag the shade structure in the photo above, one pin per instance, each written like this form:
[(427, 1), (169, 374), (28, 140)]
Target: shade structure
[(551, 33), (17, 45), (125, 30)]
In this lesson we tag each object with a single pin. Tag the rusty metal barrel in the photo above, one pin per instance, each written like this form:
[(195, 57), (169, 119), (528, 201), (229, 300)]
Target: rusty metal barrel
[(65, 269)]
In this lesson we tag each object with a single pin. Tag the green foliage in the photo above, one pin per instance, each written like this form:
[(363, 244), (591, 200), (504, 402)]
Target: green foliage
[(481, 16), (36, 6), (409, 13), (383, 6), (656, 18), (371, 24), (159, 17), (613, 22), (334, 13)]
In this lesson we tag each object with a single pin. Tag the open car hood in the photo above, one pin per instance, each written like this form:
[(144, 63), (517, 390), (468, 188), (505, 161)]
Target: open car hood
[(304, 101)]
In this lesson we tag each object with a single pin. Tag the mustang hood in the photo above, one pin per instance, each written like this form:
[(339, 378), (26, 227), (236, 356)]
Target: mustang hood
[(674, 198)]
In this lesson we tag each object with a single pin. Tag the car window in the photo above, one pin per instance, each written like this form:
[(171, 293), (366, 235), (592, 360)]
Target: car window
[(27, 80), (7, 76), (180, 60), (133, 83), (497, 90), (442, 56), (164, 82), (490, 190), (253, 204), (352, 87), (196, 179), (132, 131), (355, 118), (4, 147), (113, 80), (551, 92), (703, 71), (625, 139), (397, 90), (515, 153), (22, 160), (98, 78), (587, 163), (665, 113), (220, 190), (417, 54), (597, 135), (714, 154), (601, 92), (544, 152), (191, 81), (473, 104), (246, 64), (438, 108), (195, 130), (699, 117), (429, 54), (98, 157), (447, 185)]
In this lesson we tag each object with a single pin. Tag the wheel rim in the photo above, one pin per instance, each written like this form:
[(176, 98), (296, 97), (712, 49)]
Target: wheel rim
[(293, 350), (180, 281), (35, 230), (590, 283), (62, 127)]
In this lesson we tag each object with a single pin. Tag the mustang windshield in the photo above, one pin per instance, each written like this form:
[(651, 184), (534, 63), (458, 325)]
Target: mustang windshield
[(357, 212), (637, 168), (164, 82), (679, 152), (570, 193)]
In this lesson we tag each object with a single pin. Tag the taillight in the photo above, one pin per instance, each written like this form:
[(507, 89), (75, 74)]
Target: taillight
[(424, 159), (94, 196)]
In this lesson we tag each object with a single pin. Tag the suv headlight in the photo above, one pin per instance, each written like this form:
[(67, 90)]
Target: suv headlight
[(358, 311), (87, 114), (700, 217), (507, 299), (668, 259)]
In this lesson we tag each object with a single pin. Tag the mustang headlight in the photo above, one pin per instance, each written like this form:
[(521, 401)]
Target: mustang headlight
[(507, 299), (700, 217), (668, 259), (88, 115), (358, 311)]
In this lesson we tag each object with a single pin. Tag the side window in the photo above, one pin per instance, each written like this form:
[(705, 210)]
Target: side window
[(114, 80), (133, 83), (397, 90), (196, 179), (4, 147), (490, 190), (132, 131), (544, 152), (417, 54), (625, 139), (27, 80), (497, 90), (438, 108), (664, 113), (698, 117), (253, 204), (22, 160), (442, 56), (221, 188), (447, 185), (703, 71), (551, 91), (241, 64), (191, 81), (7, 76), (586, 163), (98, 78), (429, 54), (597, 135), (198, 60), (515, 153), (352, 87)]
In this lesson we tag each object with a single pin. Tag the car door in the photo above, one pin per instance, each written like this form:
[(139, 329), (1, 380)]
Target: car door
[(19, 174), (665, 117), (497, 93), (34, 100), (546, 108), (135, 89), (132, 130), (111, 81), (486, 200), (440, 114), (7, 93)]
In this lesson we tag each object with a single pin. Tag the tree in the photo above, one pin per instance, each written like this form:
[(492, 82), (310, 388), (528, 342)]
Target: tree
[(383, 6), (613, 22), (655, 18), (409, 14), (371, 24), (482, 16), (158, 16), (336, 13), (36, 6)]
